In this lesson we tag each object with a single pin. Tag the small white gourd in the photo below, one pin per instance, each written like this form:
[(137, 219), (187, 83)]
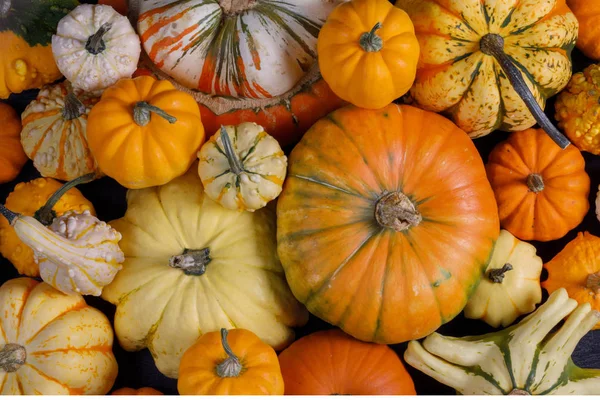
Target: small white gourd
[(95, 46)]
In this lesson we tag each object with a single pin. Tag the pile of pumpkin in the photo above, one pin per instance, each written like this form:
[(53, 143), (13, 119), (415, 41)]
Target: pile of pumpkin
[(386, 224)]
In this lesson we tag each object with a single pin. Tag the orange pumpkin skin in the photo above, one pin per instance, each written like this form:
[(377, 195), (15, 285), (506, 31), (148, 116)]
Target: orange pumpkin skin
[(333, 363), (588, 15), (12, 156), (145, 391), (577, 269), (345, 259), (140, 155), (547, 214), (26, 199), (260, 374), (120, 6)]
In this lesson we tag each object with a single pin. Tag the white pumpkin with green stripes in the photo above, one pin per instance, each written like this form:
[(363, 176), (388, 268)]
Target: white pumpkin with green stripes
[(525, 358), (237, 48)]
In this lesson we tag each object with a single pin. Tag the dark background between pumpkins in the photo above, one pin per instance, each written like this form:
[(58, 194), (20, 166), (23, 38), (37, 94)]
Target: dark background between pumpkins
[(138, 370)]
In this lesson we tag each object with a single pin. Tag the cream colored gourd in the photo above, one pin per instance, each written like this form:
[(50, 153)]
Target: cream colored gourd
[(54, 132), (191, 267), (52, 343), (531, 357), (511, 283), (245, 172), (95, 46), (77, 254)]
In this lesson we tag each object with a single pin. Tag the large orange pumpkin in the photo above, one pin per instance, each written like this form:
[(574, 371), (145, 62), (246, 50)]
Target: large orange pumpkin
[(386, 221), (333, 363), (541, 190)]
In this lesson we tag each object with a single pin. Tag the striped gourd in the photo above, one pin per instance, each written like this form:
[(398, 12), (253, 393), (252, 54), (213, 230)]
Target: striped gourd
[(532, 357), (54, 132), (237, 48)]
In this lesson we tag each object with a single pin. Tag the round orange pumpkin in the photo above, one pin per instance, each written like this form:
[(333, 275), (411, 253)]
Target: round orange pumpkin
[(143, 132), (145, 391), (12, 156), (541, 190), (333, 363), (588, 15), (386, 221), (232, 362)]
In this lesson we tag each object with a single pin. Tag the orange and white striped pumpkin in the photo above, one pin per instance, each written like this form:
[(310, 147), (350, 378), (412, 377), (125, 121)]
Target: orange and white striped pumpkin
[(52, 343), (238, 48), (54, 132)]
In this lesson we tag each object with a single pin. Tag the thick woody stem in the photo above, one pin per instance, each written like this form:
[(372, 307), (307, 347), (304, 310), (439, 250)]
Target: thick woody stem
[(395, 211), (192, 262), (74, 108), (231, 366), (12, 357), (593, 282), (535, 183), (95, 43), (232, 7), (46, 214)]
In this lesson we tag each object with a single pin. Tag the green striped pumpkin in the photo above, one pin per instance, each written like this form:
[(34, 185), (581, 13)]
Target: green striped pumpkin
[(237, 48), (523, 359)]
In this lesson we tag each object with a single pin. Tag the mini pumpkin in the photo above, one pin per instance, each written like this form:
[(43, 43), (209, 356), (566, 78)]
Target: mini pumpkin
[(54, 132), (95, 46), (144, 132), (44, 199), (491, 65), (12, 156), (541, 190), (531, 357), (26, 60), (243, 172), (588, 15), (145, 391), (577, 269), (511, 283), (77, 254), (333, 363), (577, 109), (52, 343), (368, 52), (232, 362)]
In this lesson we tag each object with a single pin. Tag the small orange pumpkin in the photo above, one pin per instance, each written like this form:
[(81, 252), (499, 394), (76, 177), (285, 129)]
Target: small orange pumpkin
[(145, 391), (541, 190), (331, 362), (588, 15), (232, 362), (12, 156), (577, 269)]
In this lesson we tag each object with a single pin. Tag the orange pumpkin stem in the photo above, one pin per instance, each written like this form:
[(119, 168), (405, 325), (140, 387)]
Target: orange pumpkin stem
[(535, 183), (492, 44), (143, 110), (74, 108), (496, 275), (231, 7), (235, 165), (231, 366), (192, 262), (46, 214), (12, 357), (370, 42), (593, 282), (95, 43), (395, 211), (10, 216)]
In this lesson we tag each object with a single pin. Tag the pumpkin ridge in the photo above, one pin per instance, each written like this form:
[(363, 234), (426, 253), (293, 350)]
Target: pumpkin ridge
[(75, 307), (391, 241), (101, 348), (19, 315), (49, 130), (477, 67), (328, 185), (44, 375)]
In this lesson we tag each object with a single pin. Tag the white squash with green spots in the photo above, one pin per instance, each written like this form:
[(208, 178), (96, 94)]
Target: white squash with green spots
[(527, 358)]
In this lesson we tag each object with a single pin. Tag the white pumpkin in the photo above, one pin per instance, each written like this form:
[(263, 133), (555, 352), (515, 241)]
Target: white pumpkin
[(52, 343), (95, 46), (242, 167), (78, 254), (236, 48)]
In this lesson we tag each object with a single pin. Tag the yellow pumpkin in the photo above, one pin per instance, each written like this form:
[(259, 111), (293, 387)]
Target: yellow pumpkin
[(368, 52), (52, 343)]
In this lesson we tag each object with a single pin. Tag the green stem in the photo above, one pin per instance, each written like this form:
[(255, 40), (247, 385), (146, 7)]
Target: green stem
[(46, 214), (192, 262), (143, 110), (73, 108), (235, 165), (10, 216), (493, 44), (370, 41), (231, 367), (95, 43), (496, 275)]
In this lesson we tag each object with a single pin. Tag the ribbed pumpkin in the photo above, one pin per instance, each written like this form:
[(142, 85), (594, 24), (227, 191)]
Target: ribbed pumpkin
[(33, 198), (12, 156), (26, 60), (52, 343), (333, 363), (386, 221), (588, 15), (541, 190), (491, 64), (54, 132)]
